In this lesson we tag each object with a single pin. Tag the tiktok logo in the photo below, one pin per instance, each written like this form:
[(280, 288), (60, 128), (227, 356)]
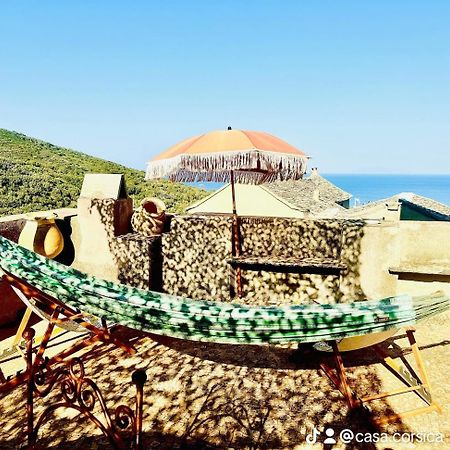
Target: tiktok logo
[(311, 438)]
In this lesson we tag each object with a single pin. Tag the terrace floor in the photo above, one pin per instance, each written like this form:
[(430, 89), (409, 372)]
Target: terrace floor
[(213, 396)]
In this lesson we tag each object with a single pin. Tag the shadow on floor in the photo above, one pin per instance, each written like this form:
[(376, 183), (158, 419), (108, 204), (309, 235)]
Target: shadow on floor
[(210, 396)]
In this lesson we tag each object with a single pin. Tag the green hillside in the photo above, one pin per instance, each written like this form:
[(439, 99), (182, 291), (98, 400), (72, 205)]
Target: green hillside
[(36, 175)]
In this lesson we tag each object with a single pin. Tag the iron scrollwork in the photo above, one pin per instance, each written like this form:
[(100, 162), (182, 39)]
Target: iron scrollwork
[(81, 394)]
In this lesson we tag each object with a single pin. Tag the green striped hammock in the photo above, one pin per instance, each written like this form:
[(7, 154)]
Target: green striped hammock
[(211, 321)]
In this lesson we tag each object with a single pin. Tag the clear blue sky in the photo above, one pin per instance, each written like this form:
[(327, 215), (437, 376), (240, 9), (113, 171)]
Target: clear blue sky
[(360, 86)]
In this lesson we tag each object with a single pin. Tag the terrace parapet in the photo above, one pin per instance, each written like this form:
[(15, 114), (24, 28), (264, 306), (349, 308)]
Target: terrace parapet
[(193, 256)]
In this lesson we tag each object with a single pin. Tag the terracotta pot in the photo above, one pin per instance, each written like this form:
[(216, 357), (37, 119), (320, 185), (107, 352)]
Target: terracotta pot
[(42, 235), (149, 218)]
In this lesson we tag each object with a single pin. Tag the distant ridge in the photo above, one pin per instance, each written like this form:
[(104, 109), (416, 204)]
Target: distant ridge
[(36, 175)]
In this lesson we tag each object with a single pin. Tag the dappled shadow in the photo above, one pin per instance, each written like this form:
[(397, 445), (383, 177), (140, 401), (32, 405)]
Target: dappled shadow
[(136, 257), (192, 257), (266, 357), (197, 252), (217, 396), (291, 238), (209, 396), (303, 239)]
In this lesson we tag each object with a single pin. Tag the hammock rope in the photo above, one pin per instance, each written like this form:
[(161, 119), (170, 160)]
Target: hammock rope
[(184, 318)]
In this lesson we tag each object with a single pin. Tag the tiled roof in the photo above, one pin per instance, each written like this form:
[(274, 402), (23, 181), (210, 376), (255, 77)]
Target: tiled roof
[(404, 197), (312, 195), (425, 203)]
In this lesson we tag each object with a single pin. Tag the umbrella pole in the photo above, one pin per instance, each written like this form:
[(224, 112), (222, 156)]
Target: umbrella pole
[(233, 193), (236, 238)]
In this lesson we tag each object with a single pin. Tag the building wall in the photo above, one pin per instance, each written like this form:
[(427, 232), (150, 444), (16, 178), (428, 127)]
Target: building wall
[(424, 250), (106, 247), (393, 210), (250, 200)]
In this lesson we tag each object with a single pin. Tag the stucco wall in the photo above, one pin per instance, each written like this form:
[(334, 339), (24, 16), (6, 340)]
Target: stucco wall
[(106, 248), (425, 248), (94, 229)]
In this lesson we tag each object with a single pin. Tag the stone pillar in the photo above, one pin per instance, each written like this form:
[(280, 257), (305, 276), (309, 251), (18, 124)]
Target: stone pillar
[(94, 230)]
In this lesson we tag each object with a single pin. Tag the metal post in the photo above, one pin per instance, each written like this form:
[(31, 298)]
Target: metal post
[(236, 240), (233, 194), (139, 377)]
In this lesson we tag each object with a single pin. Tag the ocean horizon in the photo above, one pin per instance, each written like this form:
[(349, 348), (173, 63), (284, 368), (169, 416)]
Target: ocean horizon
[(370, 187)]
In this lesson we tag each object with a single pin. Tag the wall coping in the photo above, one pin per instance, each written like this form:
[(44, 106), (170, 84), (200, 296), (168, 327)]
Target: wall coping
[(61, 212)]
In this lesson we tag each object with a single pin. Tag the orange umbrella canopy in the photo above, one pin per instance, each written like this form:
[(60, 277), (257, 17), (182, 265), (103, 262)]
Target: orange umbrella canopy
[(253, 156)]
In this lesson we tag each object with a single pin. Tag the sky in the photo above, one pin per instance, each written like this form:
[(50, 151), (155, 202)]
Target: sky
[(361, 87)]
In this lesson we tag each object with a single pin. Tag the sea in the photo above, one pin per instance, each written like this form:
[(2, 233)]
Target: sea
[(370, 187)]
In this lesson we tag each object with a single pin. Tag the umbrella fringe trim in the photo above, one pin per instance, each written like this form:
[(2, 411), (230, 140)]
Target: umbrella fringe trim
[(254, 167)]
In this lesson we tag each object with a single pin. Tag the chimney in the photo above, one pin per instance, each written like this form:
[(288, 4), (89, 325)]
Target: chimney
[(392, 210), (316, 195), (314, 172)]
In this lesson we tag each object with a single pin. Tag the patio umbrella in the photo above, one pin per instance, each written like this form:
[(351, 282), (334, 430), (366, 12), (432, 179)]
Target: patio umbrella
[(234, 156)]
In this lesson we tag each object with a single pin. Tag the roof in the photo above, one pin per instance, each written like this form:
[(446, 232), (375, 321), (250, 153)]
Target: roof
[(433, 207), (310, 195)]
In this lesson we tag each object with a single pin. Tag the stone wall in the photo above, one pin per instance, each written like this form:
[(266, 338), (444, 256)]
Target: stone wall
[(10, 229), (197, 250)]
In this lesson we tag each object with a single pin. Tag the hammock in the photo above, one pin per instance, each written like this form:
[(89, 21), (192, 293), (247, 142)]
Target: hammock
[(210, 321)]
